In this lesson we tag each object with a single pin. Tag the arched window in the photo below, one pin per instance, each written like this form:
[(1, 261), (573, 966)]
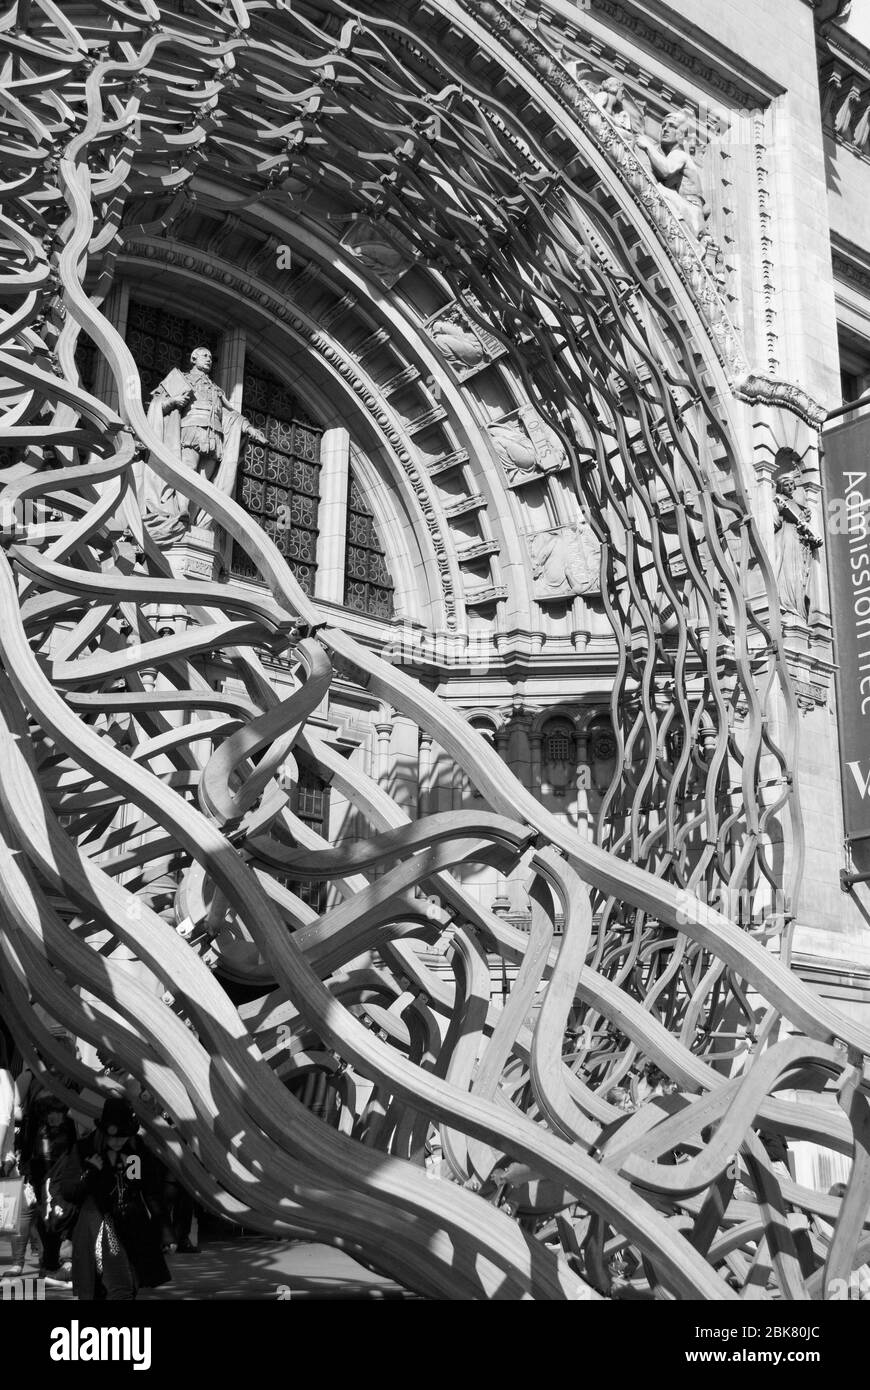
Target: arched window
[(278, 483), (368, 587), (483, 726), (602, 744)]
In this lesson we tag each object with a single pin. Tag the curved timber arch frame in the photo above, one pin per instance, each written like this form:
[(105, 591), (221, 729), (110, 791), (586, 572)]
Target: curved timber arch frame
[(143, 811)]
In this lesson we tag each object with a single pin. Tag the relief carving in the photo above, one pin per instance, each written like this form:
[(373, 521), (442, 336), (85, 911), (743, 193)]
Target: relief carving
[(466, 347), (566, 561), (526, 446), (380, 251)]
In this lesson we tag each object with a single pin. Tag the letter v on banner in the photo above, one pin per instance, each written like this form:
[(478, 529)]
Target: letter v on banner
[(846, 477), (861, 777)]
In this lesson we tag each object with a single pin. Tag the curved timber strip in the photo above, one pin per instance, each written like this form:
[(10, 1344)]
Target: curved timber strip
[(146, 814)]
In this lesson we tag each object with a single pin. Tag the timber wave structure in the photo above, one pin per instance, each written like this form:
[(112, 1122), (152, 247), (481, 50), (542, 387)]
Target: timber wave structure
[(611, 1129)]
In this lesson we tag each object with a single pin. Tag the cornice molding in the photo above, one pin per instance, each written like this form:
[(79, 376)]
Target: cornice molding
[(681, 44), (850, 262)]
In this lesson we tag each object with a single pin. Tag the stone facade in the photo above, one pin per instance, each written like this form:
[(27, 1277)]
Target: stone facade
[(495, 570)]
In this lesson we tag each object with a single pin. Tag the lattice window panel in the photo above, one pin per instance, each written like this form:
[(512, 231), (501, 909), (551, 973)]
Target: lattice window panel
[(368, 586), (310, 801), (279, 482), (160, 341), (559, 745)]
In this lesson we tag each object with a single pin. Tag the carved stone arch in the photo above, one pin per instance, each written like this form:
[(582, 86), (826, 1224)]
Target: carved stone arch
[(542, 717), (338, 392), (593, 710), (470, 464)]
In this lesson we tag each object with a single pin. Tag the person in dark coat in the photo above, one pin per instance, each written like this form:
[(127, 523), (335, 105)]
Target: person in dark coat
[(115, 1183), (47, 1141)]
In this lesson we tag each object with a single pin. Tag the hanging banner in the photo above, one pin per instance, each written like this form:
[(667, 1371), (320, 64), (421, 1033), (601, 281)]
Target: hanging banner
[(846, 473)]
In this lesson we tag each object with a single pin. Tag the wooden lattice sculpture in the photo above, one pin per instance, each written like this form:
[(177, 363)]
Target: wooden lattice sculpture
[(594, 1132)]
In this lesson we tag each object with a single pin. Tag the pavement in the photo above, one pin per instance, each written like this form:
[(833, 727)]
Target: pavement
[(245, 1268)]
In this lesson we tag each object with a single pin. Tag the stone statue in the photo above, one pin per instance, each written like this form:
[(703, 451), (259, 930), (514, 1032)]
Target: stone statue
[(625, 113), (797, 543), (673, 165), (195, 420)]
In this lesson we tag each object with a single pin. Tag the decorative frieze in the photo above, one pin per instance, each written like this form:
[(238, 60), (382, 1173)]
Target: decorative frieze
[(479, 598)]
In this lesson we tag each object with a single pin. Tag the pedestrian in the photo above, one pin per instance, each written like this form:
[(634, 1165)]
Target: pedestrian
[(48, 1141), (116, 1242)]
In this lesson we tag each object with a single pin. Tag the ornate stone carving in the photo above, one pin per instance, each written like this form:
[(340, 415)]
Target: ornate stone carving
[(676, 170), (382, 253), (348, 367), (466, 347), (565, 561), (633, 169), (526, 446), (810, 695), (195, 420), (797, 543), (625, 113), (760, 389)]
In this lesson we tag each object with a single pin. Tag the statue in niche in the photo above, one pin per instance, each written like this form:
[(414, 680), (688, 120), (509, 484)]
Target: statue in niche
[(797, 544), (193, 417), (565, 561), (673, 165)]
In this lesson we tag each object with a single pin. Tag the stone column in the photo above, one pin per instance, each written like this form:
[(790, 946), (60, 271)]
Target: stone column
[(332, 515), (230, 376), (535, 749), (404, 770), (458, 787), (384, 731), (424, 775)]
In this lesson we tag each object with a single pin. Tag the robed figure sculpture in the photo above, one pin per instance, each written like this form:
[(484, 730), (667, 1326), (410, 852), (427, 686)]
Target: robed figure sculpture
[(197, 423)]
